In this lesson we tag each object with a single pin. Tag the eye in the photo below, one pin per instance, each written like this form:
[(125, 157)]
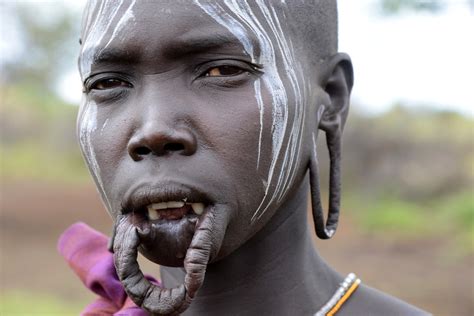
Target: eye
[(109, 83), (223, 71)]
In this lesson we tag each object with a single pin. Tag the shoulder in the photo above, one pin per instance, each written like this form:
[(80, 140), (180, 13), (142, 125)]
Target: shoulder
[(368, 301)]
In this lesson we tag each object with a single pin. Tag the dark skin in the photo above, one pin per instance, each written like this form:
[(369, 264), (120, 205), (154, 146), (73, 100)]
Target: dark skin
[(173, 112)]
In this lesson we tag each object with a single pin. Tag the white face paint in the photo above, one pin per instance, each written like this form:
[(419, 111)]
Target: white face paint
[(241, 20), (109, 13), (104, 126), (258, 97), (87, 126), (96, 26)]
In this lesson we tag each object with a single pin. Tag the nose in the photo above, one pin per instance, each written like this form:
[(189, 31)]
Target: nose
[(161, 141)]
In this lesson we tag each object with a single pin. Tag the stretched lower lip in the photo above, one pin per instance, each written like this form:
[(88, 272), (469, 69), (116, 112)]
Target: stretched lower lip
[(205, 242), (165, 241)]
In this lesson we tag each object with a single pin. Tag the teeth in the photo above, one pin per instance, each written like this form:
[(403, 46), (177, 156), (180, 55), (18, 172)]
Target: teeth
[(165, 205), (153, 213), (155, 208), (175, 204), (198, 208), (159, 206)]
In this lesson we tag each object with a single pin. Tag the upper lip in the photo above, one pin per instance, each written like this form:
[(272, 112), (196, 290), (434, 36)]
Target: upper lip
[(143, 195)]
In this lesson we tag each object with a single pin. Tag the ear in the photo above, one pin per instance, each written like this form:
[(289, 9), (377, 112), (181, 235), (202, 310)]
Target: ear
[(337, 83)]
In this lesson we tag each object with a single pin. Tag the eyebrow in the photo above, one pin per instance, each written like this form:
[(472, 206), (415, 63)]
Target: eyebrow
[(113, 55), (179, 48), (189, 45)]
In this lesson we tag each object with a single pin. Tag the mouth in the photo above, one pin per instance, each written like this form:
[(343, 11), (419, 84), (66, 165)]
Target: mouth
[(173, 210), (166, 202), (166, 217)]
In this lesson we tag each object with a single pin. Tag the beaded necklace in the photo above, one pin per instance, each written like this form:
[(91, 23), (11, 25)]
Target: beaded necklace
[(345, 290)]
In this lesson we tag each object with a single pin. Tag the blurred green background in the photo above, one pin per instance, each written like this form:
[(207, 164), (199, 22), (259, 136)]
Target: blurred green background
[(408, 213)]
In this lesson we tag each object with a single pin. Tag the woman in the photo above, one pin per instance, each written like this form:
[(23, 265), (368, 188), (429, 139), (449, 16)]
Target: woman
[(199, 126)]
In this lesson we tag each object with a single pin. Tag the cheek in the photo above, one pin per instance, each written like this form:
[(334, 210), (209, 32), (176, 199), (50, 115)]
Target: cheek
[(282, 161), (101, 146), (235, 135), (243, 126), (86, 130)]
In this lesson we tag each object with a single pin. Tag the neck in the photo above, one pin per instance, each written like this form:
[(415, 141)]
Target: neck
[(277, 271)]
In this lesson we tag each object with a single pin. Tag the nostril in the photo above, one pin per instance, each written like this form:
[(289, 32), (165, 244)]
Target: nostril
[(156, 142), (173, 147), (142, 151)]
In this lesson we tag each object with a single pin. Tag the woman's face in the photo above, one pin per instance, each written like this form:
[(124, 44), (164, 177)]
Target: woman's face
[(190, 105)]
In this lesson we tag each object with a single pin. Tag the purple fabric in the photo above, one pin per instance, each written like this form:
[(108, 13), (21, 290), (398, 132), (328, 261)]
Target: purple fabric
[(85, 250)]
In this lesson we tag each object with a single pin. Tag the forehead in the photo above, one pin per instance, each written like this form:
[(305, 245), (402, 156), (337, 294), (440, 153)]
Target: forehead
[(138, 17), (147, 27), (141, 27)]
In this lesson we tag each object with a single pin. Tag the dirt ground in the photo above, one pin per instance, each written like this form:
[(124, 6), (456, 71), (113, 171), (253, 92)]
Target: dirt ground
[(33, 215)]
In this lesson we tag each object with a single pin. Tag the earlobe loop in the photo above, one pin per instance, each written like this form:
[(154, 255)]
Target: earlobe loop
[(331, 118), (326, 230)]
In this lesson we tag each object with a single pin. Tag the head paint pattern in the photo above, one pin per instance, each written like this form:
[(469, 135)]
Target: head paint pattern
[(276, 48), (95, 27), (237, 16), (94, 30), (88, 125)]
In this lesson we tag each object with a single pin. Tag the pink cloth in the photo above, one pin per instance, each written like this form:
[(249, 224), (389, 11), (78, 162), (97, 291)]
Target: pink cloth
[(85, 250)]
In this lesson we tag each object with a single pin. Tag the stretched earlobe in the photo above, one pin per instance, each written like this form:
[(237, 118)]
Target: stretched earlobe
[(326, 230), (337, 84)]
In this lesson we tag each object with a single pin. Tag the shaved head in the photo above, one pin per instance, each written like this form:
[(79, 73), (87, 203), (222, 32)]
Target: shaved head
[(316, 25)]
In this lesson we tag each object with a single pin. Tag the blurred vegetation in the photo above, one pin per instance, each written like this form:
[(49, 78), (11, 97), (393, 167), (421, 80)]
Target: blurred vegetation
[(37, 128), (13, 303), (38, 136), (44, 39), (391, 7), (409, 173), (396, 7)]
